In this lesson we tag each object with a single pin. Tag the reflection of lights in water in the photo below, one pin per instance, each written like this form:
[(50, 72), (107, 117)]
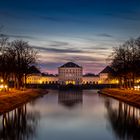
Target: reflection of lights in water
[(137, 87)]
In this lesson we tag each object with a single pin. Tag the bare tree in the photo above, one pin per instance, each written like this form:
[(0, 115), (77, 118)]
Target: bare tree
[(25, 56), (15, 59), (4, 58), (126, 62)]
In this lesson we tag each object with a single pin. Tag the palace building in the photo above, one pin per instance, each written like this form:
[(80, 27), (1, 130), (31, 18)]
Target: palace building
[(36, 78), (71, 73)]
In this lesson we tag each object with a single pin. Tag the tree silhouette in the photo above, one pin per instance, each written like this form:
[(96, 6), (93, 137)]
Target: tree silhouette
[(126, 62), (15, 59)]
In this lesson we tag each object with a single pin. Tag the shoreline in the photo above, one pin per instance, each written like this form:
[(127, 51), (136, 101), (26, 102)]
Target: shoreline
[(14, 99), (130, 97)]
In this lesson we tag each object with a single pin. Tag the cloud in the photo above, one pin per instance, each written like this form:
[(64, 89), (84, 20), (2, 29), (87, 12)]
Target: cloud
[(73, 51), (98, 48), (66, 19), (88, 63), (91, 65), (55, 50), (50, 65), (58, 43), (84, 58), (49, 18), (105, 35), (127, 15), (51, 58), (17, 36)]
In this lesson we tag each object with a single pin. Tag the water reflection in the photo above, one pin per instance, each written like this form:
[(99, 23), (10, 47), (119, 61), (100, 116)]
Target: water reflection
[(18, 124), (124, 120), (70, 98), (59, 115)]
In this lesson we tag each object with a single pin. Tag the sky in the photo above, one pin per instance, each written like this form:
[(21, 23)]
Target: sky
[(81, 31)]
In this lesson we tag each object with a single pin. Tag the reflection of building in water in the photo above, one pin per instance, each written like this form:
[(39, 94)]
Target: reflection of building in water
[(70, 98), (124, 120), (18, 124)]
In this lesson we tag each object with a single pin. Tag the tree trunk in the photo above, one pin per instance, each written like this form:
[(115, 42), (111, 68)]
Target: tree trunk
[(133, 81)]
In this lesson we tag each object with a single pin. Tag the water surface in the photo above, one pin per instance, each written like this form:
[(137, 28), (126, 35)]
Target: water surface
[(72, 115)]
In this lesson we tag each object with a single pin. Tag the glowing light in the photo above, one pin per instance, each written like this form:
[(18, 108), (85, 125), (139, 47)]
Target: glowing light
[(70, 82), (5, 86), (1, 86), (137, 87)]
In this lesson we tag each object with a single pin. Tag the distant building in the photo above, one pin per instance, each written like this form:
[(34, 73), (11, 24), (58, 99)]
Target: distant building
[(70, 73), (106, 76), (49, 79), (34, 78), (41, 79), (90, 79)]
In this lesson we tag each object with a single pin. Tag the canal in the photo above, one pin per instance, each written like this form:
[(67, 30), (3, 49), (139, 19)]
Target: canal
[(72, 115)]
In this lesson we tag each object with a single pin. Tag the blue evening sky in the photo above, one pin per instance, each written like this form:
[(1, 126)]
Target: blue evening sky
[(82, 31)]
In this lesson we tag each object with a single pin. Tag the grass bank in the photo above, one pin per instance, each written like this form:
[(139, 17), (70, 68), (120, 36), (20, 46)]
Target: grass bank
[(130, 96), (13, 99)]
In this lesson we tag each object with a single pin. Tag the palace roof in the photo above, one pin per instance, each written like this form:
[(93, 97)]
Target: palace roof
[(33, 70), (107, 70), (70, 65)]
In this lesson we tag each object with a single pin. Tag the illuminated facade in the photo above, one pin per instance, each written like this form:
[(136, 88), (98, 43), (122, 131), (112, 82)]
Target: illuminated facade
[(105, 76), (71, 73), (41, 79), (89, 79), (34, 79)]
